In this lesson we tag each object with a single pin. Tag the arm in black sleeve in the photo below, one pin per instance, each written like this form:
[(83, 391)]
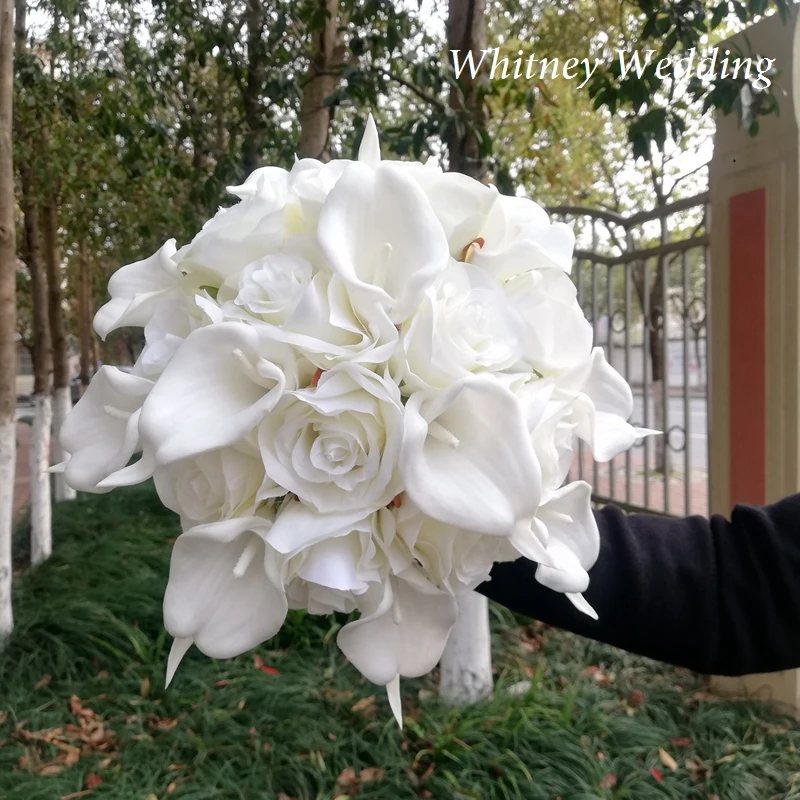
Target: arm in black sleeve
[(716, 596)]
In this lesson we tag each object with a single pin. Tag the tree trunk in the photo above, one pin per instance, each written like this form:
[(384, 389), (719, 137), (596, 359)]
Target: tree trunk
[(84, 321), (465, 671), (251, 97), (466, 30), (41, 527), (320, 83), (62, 395), (8, 362), (466, 666)]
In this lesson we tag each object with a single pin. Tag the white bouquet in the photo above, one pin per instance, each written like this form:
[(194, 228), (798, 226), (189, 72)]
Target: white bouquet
[(362, 385)]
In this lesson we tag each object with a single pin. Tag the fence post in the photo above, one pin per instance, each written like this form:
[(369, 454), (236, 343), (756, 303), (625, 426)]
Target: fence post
[(755, 308)]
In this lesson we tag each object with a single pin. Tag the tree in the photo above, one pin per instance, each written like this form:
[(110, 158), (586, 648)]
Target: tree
[(41, 529), (321, 80), (8, 264)]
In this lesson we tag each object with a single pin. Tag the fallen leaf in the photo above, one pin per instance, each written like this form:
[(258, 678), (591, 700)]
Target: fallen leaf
[(171, 787), (221, 683), (176, 767), (75, 794), (681, 742), (667, 760), (144, 687), (282, 796), (266, 748), (75, 705), (48, 770), (363, 704), (43, 681), (258, 663), (426, 793), (656, 774), (712, 797), (347, 778), (151, 796), (93, 781), (726, 759), (370, 774), (636, 698), (161, 723), (607, 781)]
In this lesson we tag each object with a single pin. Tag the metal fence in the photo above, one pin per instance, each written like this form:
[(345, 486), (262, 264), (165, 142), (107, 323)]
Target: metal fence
[(642, 281)]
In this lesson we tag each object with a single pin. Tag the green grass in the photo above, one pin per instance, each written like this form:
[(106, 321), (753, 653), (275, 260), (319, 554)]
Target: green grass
[(89, 626)]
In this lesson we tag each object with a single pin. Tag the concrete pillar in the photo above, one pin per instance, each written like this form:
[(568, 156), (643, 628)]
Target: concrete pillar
[(755, 309)]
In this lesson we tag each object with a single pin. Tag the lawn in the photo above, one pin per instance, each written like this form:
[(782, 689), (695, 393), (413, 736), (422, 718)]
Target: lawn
[(84, 713)]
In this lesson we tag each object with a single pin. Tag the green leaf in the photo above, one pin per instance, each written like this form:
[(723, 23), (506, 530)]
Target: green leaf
[(719, 13)]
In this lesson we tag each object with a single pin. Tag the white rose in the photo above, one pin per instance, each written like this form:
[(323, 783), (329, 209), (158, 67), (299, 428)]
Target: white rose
[(326, 328), (336, 445), (212, 486), (466, 325), (557, 336)]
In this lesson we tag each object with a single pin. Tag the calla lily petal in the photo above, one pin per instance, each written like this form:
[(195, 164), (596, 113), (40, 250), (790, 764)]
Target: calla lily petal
[(369, 152)]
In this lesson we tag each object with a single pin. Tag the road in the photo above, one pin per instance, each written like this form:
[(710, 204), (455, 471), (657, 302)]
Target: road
[(698, 427)]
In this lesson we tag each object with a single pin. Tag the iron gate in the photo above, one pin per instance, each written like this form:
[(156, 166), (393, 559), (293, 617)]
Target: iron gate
[(642, 281)]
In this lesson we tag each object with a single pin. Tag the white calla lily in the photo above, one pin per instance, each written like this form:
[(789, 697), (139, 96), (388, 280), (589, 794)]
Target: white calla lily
[(379, 233), (404, 635), (137, 289), (192, 410), (573, 541), (518, 237), (101, 433), (461, 204), (467, 458), (224, 591)]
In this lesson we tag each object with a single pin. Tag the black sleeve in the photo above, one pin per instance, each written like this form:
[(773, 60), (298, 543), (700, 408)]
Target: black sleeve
[(718, 597)]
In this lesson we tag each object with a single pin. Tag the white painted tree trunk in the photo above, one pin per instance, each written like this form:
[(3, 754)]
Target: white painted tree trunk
[(62, 405), (8, 457), (41, 502), (466, 665)]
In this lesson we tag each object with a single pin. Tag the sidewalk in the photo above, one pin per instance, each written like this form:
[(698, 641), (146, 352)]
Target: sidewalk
[(608, 482)]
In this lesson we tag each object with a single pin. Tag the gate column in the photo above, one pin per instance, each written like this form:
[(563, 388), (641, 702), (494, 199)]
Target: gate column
[(754, 391)]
